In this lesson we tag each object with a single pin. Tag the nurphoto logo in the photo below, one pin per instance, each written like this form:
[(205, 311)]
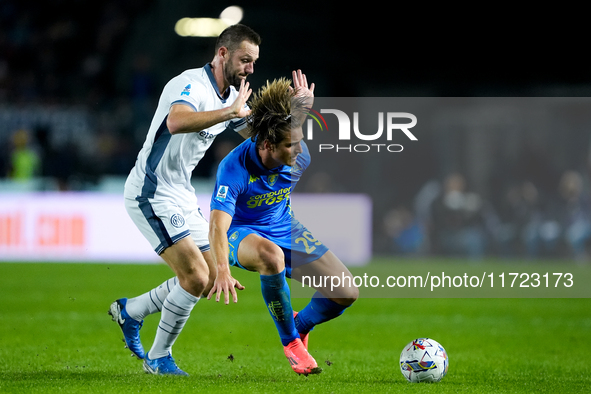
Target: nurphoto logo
[(388, 122)]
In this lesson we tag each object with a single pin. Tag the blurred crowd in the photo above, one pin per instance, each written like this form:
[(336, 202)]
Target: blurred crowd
[(448, 219), (56, 50), (65, 55)]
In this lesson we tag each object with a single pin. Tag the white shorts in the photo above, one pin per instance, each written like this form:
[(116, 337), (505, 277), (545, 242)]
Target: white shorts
[(163, 222)]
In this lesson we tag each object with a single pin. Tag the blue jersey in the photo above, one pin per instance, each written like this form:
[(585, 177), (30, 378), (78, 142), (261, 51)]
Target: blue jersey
[(258, 199), (252, 194)]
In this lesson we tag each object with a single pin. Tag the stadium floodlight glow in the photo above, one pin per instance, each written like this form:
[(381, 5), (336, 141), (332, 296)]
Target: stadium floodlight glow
[(232, 15), (200, 27), (208, 27)]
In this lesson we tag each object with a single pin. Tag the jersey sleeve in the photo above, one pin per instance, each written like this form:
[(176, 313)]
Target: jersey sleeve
[(239, 124), (181, 90), (230, 183)]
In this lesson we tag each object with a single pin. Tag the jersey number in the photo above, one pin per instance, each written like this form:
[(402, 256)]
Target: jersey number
[(307, 236)]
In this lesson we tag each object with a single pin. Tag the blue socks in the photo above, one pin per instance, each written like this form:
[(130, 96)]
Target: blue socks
[(277, 297), (319, 310)]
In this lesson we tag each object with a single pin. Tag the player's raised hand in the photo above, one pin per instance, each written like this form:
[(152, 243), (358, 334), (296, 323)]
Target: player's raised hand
[(300, 84), (225, 283), (239, 105)]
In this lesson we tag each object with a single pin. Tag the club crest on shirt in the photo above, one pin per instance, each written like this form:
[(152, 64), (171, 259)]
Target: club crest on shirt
[(222, 193), (177, 220), (271, 179)]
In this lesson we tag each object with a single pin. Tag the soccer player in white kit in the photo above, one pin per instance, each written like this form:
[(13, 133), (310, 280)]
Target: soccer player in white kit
[(193, 109)]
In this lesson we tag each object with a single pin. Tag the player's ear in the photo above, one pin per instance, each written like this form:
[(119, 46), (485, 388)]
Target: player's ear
[(269, 146), (223, 52)]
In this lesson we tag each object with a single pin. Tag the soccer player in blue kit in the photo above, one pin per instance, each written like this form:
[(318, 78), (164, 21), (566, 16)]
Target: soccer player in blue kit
[(252, 225)]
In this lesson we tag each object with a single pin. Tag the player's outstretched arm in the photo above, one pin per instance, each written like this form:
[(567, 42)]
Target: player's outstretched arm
[(183, 119), (219, 223)]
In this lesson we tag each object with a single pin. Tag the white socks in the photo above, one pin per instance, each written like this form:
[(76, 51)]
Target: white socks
[(176, 309), (151, 302)]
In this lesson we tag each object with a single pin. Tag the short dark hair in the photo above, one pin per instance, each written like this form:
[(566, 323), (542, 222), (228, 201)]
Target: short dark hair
[(233, 35), (272, 108)]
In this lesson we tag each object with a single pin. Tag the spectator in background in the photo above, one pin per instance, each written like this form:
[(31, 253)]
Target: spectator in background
[(404, 231), (575, 219), (457, 220), (25, 162), (520, 221), (59, 163)]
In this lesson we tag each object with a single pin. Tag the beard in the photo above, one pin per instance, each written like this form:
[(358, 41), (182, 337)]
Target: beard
[(232, 76)]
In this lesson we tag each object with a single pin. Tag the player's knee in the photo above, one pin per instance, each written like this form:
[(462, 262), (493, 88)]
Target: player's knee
[(345, 296), (194, 281), (351, 295), (271, 259)]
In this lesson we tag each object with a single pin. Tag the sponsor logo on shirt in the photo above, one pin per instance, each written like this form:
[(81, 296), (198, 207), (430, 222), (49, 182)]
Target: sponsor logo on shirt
[(274, 197), (204, 134), (271, 179)]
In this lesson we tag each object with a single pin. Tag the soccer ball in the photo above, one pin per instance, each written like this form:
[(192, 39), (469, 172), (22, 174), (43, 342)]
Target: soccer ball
[(423, 360)]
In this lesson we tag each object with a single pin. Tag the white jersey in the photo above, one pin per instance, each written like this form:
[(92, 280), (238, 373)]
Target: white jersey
[(164, 164)]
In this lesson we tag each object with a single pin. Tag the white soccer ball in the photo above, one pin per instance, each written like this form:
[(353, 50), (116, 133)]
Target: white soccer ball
[(423, 360)]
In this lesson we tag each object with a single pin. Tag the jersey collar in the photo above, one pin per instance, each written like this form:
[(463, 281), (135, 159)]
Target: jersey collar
[(209, 73)]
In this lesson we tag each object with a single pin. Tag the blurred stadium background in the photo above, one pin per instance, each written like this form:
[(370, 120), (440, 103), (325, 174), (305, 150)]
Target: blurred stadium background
[(79, 82)]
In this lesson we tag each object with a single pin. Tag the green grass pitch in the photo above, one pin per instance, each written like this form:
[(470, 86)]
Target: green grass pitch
[(56, 336)]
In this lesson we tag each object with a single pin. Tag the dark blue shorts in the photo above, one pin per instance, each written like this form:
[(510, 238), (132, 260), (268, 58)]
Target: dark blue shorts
[(298, 244)]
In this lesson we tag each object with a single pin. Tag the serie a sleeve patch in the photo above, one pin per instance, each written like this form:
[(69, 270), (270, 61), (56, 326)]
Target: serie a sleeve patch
[(222, 193)]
